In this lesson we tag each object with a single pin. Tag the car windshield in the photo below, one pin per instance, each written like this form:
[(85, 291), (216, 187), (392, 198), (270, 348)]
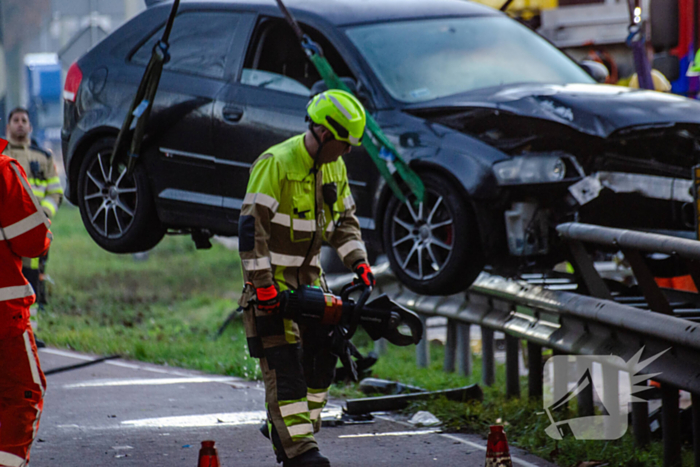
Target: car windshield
[(421, 60)]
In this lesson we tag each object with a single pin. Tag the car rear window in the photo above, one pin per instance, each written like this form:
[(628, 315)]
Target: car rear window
[(199, 43)]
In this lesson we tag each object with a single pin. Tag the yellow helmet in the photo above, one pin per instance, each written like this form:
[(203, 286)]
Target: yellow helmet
[(341, 113), (660, 82)]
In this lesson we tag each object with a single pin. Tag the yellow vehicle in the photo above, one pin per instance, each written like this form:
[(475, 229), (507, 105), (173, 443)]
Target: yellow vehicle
[(524, 9)]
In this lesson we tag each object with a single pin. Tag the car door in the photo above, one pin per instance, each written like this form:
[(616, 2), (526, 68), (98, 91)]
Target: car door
[(266, 105), (181, 163)]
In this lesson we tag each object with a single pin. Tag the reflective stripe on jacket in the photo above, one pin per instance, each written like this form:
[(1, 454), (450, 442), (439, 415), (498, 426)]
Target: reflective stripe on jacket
[(44, 180), (42, 177), (24, 232), (280, 232)]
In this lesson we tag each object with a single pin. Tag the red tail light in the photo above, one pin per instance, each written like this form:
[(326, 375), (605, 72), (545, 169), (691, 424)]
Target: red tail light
[(73, 80)]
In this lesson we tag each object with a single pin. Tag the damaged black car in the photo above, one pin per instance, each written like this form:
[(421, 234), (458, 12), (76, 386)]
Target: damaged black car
[(509, 135)]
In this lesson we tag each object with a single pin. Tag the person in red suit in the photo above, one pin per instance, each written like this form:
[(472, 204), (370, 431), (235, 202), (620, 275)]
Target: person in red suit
[(24, 232)]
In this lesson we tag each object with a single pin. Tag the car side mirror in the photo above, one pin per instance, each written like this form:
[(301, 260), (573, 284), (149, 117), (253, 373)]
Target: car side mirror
[(598, 71)]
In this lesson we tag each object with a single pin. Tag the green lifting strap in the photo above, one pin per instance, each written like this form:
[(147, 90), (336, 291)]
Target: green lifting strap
[(384, 155), (127, 147)]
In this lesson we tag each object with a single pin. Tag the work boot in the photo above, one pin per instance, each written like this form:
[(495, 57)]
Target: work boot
[(311, 458)]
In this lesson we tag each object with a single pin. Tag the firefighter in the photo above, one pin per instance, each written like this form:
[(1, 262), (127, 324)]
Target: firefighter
[(298, 196), (24, 233), (39, 166)]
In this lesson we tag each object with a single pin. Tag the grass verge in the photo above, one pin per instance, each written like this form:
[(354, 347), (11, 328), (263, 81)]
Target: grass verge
[(164, 309)]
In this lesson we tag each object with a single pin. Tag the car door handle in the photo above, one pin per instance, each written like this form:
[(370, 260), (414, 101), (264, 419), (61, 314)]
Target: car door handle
[(232, 114)]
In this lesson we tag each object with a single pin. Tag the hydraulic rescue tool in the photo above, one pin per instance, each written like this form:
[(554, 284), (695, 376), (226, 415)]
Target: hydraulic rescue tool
[(381, 318)]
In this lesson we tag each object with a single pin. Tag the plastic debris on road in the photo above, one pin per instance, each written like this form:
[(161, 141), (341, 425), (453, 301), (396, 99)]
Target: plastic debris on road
[(423, 418)]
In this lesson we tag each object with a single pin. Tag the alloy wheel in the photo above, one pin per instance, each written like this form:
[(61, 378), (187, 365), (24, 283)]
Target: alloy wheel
[(110, 197), (422, 236)]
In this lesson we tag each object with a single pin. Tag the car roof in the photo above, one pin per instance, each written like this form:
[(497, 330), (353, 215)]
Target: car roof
[(346, 12)]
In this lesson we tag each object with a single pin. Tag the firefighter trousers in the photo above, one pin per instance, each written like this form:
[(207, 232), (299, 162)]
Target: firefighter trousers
[(34, 271), (22, 388), (298, 369)]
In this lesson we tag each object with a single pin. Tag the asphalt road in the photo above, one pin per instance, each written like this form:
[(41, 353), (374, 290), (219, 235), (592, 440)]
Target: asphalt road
[(120, 413)]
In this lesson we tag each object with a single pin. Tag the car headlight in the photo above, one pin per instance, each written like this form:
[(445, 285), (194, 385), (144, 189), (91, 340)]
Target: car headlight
[(530, 169)]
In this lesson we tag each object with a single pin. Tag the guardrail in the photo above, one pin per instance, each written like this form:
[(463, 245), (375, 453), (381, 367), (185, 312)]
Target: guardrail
[(574, 324)]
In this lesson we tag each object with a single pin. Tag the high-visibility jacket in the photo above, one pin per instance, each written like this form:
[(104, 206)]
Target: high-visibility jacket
[(41, 174), (24, 232), (43, 178), (284, 218)]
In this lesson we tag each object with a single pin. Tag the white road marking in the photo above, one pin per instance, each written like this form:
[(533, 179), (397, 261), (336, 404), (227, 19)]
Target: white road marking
[(132, 366), (149, 382), (195, 421), (391, 433)]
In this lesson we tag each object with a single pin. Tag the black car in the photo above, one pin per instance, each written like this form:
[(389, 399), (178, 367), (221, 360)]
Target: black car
[(509, 135)]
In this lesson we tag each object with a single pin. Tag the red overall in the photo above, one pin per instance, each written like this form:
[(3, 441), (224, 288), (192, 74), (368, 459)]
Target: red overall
[(24, 232)]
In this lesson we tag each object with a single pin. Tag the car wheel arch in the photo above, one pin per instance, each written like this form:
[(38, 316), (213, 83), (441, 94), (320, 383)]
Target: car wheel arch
[(422, 167), (81, 150)]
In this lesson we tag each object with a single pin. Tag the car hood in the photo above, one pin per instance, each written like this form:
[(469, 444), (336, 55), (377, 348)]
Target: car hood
[(594, 109)]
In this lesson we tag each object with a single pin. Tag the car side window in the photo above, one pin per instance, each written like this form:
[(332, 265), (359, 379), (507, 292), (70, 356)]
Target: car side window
[(199, 43), (276, 61)]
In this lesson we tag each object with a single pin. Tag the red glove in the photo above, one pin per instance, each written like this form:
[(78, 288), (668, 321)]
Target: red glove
[(268, 299), (364, 272)]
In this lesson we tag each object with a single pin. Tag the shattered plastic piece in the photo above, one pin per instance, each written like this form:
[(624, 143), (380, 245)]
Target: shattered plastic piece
[(649, 186), (586, 190), (424, 418)]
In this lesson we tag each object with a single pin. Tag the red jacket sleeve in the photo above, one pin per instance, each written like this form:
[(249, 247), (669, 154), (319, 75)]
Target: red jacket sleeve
[(23, 223)]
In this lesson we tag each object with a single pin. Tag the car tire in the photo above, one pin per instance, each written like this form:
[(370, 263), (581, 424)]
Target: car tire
[(433, 248), (118, 211)]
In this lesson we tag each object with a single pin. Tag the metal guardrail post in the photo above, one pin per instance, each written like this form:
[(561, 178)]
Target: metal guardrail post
[(423, 347), (585, 397), (671, 425), (640, 420), (695, 400), (585, 271), (464, 349), (611, 398), (560, 366), (380, 346), (652, 293), (512, 366), (451, 346), (534, 375), (488, 365)]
